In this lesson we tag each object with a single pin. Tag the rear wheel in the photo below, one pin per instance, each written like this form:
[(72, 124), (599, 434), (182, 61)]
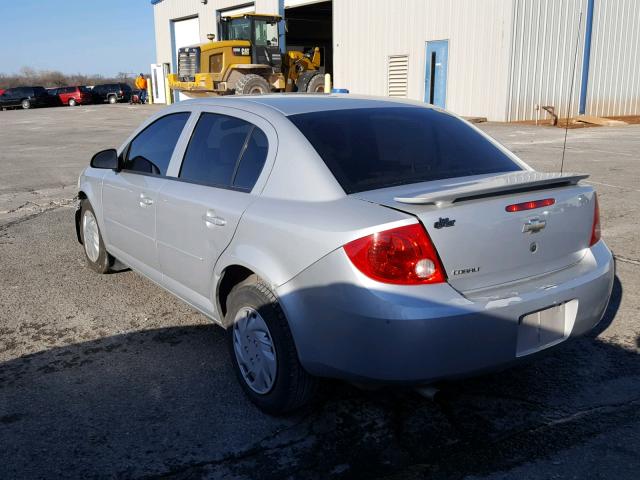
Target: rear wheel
[(262, 350), (112, 99), (316, 84), (72, 102), (25, 104), (252, 85)]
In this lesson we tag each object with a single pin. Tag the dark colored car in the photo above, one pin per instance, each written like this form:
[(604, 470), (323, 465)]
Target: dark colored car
[(111, 92), (72, 96), (25, 97)]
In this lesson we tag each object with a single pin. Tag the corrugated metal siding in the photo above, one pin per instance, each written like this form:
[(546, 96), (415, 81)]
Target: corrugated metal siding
[(398, 76), (614, 76), (543, 53), (367, 32)]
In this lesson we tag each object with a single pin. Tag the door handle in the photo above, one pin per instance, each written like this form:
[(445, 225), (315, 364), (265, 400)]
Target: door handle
[(145, 201), (212, 220)]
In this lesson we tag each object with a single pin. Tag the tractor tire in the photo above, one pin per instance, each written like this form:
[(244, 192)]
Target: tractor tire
[(316, 84), (252, 84), (303, 80)]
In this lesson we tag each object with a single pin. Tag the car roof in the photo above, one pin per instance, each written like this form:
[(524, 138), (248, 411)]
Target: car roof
[(297, 103)]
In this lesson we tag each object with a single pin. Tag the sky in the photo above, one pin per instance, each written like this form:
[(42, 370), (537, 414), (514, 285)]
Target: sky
[(77, 36)]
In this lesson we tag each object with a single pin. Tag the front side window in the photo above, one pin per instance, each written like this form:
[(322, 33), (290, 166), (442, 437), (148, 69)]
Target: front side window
[(150, 152), (371, 148), (224, 152)]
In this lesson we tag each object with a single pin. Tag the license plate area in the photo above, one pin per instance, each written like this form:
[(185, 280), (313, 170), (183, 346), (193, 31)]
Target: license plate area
[(545, 328)]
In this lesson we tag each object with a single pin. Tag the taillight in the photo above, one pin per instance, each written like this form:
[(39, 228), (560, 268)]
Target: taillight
[(518, 207), (595, 229), (403, 255)]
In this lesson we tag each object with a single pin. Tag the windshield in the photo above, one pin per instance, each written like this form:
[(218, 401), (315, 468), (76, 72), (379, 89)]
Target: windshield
[(371, 148), (239, 29)]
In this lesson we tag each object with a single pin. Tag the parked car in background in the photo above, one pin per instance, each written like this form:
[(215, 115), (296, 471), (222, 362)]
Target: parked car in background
[(357, 238), (1, 91), (111, 93), (72, 96), (25, 97)]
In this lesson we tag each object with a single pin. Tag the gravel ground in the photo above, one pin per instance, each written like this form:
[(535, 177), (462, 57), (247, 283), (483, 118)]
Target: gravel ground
[(109, 376)]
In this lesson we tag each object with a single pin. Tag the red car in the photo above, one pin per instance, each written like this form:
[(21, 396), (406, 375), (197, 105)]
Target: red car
[(1, 91), (73, 96)]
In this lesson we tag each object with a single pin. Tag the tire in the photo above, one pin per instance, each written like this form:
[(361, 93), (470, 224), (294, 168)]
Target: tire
[(288, 388), (304, 79), (252, 84), (112, 99), (72, 102), (25, 104), (98, 258), (316, 84)]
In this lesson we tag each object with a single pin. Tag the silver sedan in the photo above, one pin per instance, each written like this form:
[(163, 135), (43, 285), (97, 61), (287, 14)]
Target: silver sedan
[(358, 238)]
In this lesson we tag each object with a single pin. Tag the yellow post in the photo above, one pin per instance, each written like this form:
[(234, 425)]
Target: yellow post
[(327, 83), (149, 92), (167, 91)]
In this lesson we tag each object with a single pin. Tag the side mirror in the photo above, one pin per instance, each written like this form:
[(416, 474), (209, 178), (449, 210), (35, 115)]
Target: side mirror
[(107, 159)]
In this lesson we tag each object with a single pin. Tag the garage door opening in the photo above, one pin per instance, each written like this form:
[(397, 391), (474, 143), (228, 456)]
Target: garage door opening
[(309, 26)]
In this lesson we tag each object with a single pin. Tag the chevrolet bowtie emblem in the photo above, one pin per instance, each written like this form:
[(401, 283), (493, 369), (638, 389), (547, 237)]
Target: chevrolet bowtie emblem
[(534, 225)]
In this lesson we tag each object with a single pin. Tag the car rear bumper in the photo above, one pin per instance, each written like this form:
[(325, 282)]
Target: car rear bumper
[(353, 328)]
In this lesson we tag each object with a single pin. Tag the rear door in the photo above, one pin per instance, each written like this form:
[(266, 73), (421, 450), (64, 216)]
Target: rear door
[(129, 197), (199, 211)]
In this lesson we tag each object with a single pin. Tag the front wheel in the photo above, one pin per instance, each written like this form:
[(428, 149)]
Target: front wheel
[(316, 84), (263, 352), (97, 256), (72, 102), (26, 104), (112, 99)]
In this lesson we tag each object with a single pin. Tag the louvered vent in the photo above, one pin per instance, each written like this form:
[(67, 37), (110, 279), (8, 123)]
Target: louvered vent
[(398, 76)]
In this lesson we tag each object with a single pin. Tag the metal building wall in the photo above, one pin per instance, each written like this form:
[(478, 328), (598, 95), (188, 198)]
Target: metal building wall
[(614, 74), (543, 53), (368, 32)]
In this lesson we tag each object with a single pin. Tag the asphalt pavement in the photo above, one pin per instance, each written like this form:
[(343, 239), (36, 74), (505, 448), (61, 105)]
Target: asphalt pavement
[(108, 376)]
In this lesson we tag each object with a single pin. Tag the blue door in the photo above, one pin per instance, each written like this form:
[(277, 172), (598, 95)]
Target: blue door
[(435, 79)]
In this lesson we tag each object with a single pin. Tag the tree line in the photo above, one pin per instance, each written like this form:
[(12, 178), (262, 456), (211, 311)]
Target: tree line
[(28, 76)]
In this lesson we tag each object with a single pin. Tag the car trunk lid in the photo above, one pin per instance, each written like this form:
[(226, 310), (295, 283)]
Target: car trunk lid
[(480, 243)]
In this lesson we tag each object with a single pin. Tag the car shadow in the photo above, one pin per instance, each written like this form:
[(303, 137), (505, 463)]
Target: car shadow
[(166, 402)]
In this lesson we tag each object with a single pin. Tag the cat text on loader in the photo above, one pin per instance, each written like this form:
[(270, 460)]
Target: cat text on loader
[(247, 60)]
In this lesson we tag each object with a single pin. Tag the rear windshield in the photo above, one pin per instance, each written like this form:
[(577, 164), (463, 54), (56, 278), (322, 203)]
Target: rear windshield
[(84, 89), (373, 148)]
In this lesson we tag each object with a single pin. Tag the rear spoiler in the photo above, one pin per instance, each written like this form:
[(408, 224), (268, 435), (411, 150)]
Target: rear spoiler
[(492, 186)]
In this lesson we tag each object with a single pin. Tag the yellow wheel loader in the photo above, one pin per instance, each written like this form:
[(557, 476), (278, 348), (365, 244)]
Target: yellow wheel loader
[(247, 60)]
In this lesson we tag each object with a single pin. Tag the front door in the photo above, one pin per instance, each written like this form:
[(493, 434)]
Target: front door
[(199, 211), (130, 196), (436, 73)]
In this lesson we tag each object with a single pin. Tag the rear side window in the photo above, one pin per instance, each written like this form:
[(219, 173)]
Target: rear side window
[(150, 152), (373, 148), (224, 152)]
